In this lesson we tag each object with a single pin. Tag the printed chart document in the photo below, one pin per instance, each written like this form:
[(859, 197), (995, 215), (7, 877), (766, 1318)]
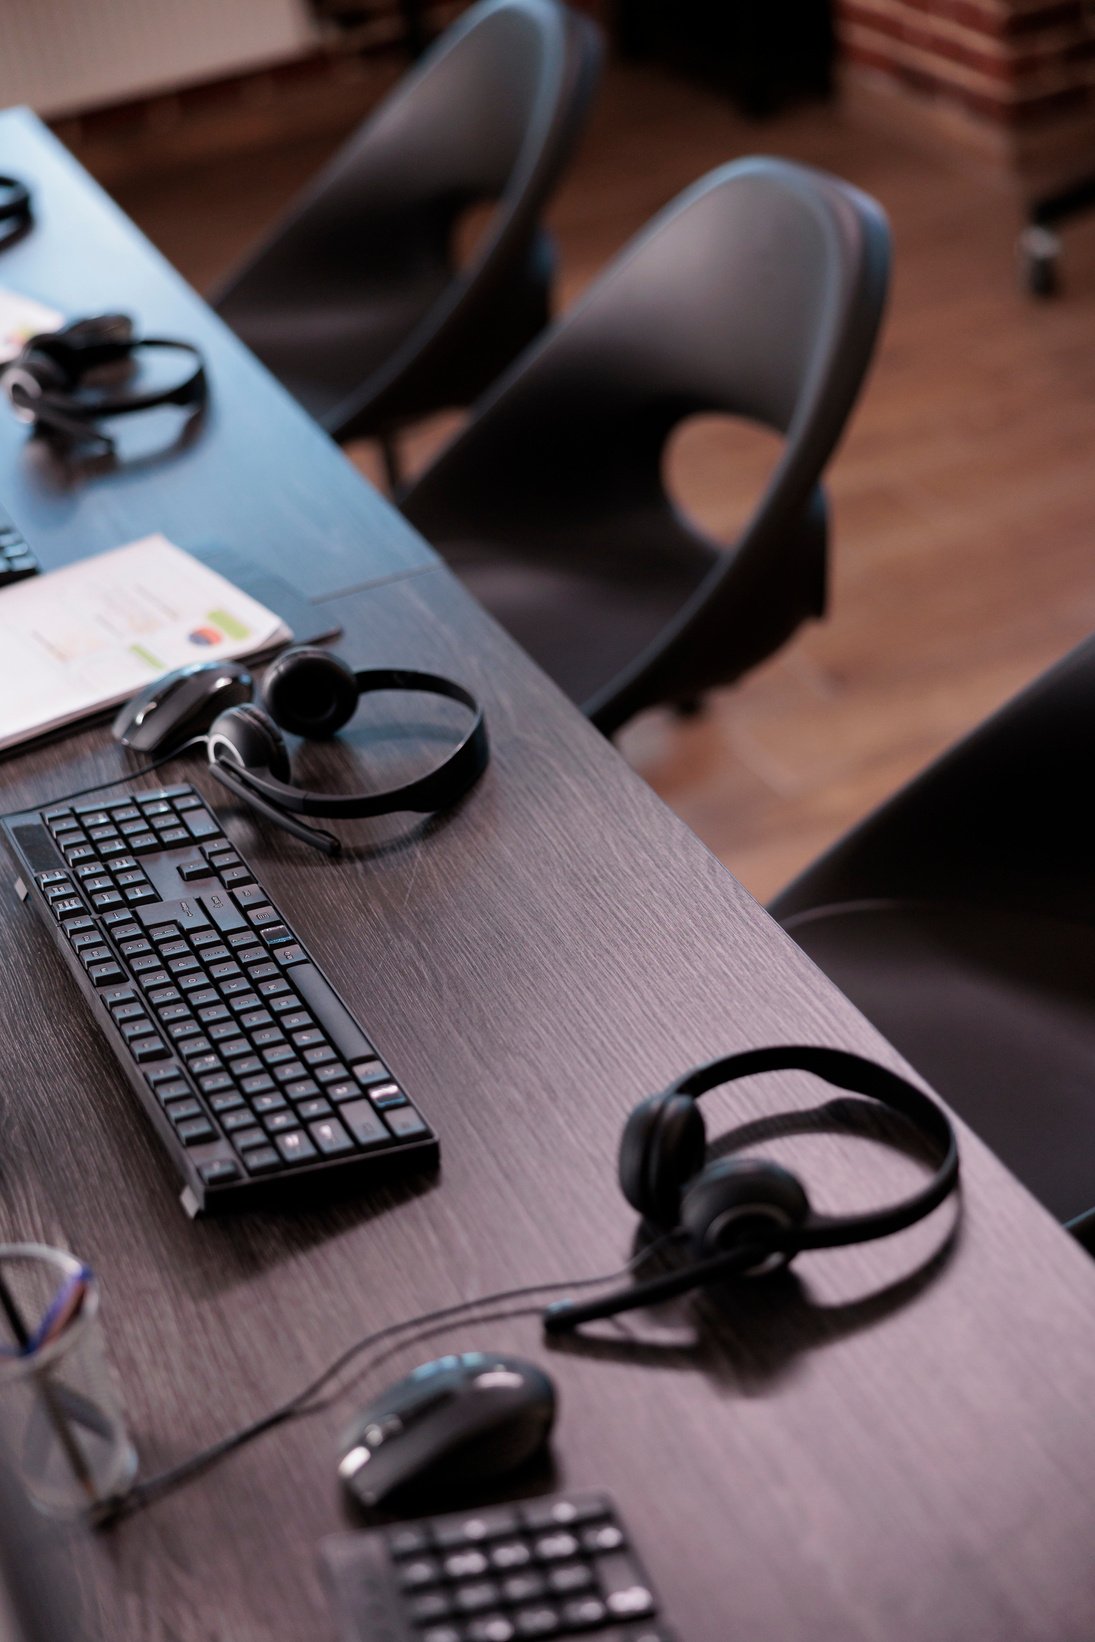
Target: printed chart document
[(83, 639)]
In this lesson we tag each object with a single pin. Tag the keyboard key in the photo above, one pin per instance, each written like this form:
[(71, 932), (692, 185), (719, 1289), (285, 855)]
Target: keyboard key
[(301, 1089), (200, 824), (195, 1130), (405, 1123), (245, 1139), (195, 1047), (571, 1577), (272, 1102), (275, 1122), (532, 1622), (180, 1110), (289, 955), (295, 1147), (250, 895), (334, 1073), (317, 1107), (552, 1547), (386, 1095), (179, 1031), (364, 1124), (261, 1160), (219, 1171), (370, 1071), (230, 1101), (104, 974), (259, 1084), (142, 1027), (146, 1049), (172, 1089), (214, 1083), (330, 1136)]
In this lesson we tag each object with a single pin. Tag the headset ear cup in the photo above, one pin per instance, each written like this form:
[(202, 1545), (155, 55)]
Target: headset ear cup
[(661, 1147), (49, 375), (310, 692), (248, 737), (735, 1201)]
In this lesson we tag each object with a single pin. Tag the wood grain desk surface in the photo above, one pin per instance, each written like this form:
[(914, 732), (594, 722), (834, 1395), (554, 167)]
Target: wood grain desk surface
[(895, 1443)]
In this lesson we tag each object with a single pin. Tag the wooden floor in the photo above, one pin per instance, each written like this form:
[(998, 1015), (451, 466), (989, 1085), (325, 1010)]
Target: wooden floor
[(964, 551)]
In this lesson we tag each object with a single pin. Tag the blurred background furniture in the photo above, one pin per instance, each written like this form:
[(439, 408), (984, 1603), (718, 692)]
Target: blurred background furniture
[(762, 53), (960, 918), (757, 294), (357, 300)]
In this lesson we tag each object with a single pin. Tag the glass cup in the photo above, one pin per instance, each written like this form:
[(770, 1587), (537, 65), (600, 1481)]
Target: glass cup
[(60, 1411)]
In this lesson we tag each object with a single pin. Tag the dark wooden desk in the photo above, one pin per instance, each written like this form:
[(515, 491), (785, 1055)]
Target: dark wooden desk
[(877, 1449)]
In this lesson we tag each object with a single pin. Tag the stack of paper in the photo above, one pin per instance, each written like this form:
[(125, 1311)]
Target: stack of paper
[(80, 640)]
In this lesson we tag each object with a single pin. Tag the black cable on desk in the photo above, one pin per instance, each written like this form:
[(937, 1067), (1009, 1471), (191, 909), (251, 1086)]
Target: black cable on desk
[(302, 1402)]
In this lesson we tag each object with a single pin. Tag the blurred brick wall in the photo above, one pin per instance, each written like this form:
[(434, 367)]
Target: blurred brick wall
[(1026, 68)]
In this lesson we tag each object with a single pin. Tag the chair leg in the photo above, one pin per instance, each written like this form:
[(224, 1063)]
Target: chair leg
[(389, 453)]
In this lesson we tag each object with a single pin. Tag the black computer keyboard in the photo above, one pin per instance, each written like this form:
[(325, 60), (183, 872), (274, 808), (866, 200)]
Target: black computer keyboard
[(254, 1073), (554, 1567), (16, 558)]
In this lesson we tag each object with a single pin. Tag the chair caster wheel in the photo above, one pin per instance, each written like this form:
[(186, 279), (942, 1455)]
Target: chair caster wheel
[(1039, 253)]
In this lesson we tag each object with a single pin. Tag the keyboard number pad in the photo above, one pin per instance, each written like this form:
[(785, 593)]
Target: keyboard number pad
[(555, 1567)]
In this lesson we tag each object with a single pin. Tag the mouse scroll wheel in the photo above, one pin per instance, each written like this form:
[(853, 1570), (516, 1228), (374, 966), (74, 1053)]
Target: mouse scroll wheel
[(380, 1430), (494, 1378)]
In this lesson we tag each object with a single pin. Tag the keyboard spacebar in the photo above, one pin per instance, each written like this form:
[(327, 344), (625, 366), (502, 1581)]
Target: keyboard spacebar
[(336, 1021)]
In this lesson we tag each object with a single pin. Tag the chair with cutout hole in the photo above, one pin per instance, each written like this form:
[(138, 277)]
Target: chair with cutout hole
[(757, 294), (960, 918), (357, 301)]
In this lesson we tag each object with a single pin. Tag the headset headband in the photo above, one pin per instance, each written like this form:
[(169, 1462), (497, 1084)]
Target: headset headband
[(859, 1076), (14, 200), (77, 357), (435, 790)]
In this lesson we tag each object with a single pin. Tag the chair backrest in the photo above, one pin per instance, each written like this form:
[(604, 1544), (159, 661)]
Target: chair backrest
[(489, 114), (1003, 818), (758, 293)]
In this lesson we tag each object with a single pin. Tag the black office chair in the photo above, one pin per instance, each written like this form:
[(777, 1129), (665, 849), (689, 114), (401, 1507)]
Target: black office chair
[(960, 918), (356, 300), (758, 293)]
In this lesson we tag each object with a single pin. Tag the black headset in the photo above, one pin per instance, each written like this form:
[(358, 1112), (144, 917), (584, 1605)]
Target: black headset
[(14, 204), (747, 1216), (46, 381), (312, 693)]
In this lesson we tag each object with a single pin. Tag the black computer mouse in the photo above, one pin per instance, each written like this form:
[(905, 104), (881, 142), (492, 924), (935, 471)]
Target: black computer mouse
[(467, 1418), (180, 705)]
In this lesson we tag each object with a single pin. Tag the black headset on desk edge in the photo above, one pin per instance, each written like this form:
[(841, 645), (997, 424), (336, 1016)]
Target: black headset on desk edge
[(14, 201), (312, 693), (46, 381), (747, 1216)]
